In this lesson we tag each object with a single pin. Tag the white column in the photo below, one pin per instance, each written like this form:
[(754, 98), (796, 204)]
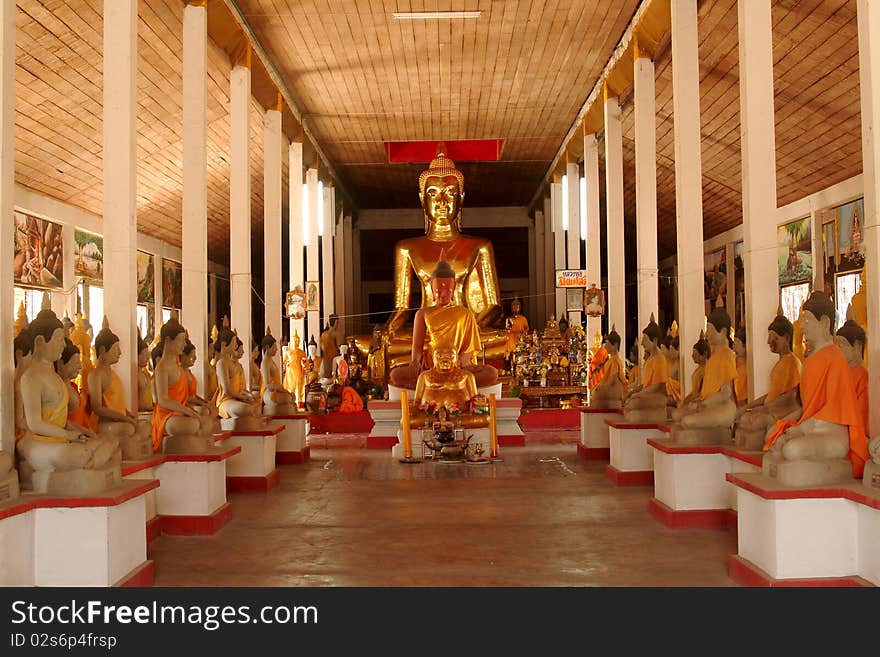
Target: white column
[(295, 226), (573, 176), (646, 191), (688, 180), (540, 275), (528, 304), (869, 83), (7, 236), (614, 230), (310, 239), (594, 246), (559, 244), (194, 249), (240, 209), (549, 263), (327, 269), (758, 138), (120, 207), (352, 322), (340, 274), (272, 220)]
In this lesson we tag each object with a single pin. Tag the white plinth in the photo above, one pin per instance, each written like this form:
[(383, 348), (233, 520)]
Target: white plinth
[(257, 456), (798, 538), (191, 487), (293, 435), (89, 546), (869, 544), (692, 481), (480, 436), (594, 431), (144, 471), (629, 449), (17, 549)]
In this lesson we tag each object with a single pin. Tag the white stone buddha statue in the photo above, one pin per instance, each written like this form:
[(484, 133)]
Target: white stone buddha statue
[(62, 457), (276, 400)]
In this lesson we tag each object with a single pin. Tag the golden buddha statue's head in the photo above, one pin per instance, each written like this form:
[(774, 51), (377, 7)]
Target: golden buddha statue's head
[(441, 193), (515, 306)]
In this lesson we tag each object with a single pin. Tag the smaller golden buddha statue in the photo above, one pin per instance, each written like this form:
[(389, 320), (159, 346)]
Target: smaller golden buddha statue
[(449, 386), (329, 347), (515, 324), (377, 365), (294, 372)]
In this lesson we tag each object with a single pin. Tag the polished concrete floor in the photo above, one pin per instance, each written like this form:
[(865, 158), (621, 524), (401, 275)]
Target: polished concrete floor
[(354, 517)]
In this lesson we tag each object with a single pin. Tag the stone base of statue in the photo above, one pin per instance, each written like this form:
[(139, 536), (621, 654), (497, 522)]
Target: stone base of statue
[(78, 482), (278, 409), (701, 435), (243, 423), (187, 444), (804, 474), (646, 416), (9, 488), (749, 439), (871, 478), (136, 447), (606, 402)]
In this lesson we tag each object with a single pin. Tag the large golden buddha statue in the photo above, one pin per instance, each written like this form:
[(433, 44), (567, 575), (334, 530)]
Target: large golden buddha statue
[(441, 192)]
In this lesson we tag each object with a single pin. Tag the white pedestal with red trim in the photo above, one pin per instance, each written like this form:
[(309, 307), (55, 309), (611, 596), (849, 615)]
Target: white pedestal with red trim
[(631, 459), (819, 536), (291, 444), (146, 471), (253, 469), (77, 541), (690, 486), (192, 498), (594, 444)]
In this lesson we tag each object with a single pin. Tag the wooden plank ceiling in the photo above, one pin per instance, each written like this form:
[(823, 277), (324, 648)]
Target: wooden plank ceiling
[(520, 73)]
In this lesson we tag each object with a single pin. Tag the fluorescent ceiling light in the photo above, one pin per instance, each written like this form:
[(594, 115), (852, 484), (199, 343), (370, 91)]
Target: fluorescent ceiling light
[(422, 15)]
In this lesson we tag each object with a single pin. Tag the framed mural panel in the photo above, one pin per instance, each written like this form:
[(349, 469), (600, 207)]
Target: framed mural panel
[(172, 284), (574, 298), (795, 251), (295, 304), (38, 254), (843, 247), (146, 277), (594, 302), (313, 296), (89, 262)]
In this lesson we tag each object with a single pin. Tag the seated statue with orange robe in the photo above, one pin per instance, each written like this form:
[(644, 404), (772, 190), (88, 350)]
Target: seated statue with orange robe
[(208, 414), (276, 400), (709, 419), (851, 339), (68, 367), (700, 354), (238, 408), (646, 402), (177, 428), (669, 349), (110, 416), (754, 419), (825, 443), (443, 323), (609, 392)]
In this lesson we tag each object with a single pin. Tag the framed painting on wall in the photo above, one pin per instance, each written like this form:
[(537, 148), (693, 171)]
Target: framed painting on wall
[(38, 254), (313, 296), (89, 262), (295, 304), (146, 290), (172, 284), (795, 251), (574, 298)]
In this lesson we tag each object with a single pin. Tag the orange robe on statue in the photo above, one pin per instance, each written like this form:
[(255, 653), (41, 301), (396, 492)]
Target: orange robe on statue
[(742, 380), (785, 376), (827, 393), (860, 382), (597, 367), (351, 401), (81, 416), (656, 370), (179, 392), (720, 369)]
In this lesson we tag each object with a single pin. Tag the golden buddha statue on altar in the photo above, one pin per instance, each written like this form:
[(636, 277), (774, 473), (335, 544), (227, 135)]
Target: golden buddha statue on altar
[(441, 192)]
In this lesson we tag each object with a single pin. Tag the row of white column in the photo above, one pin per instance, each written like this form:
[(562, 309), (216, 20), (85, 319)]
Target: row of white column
[(759, 189), (120, 207)]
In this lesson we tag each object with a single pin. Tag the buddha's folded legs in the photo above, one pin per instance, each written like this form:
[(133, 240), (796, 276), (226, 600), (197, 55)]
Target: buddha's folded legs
[(819, 445), (720, 415)]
